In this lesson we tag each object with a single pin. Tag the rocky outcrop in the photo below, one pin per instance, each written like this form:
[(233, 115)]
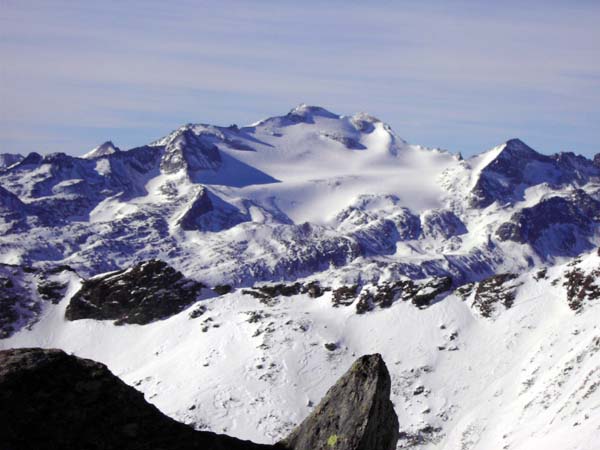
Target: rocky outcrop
[(355, 414), (486, 295), (51, 400), (420, 292), (581, 285), (268, 293), (149, 291)]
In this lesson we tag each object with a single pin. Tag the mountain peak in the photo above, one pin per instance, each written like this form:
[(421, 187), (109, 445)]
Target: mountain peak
[(516, 147), (309, 111), (107, 148)]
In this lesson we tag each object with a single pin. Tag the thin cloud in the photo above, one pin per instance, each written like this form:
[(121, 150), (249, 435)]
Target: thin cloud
[(126, 67)]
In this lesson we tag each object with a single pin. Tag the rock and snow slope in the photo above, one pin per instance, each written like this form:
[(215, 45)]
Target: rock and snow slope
[(511, 362), (504, 361)]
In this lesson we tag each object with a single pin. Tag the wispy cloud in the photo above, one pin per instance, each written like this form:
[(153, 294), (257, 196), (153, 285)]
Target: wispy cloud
[(453, 74)]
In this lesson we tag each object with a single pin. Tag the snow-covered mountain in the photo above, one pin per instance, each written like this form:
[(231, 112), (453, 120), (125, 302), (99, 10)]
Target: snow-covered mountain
[(297, 195), (300, 242)]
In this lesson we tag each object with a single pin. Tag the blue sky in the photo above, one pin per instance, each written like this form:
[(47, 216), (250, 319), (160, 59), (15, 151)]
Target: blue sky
[(459, 75)]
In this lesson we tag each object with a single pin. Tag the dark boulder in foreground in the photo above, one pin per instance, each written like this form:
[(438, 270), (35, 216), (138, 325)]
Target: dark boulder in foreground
[(51, 400), (147, 292), (355, 414)]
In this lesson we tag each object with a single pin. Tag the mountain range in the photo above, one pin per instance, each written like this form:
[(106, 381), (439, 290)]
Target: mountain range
[(233, 273)]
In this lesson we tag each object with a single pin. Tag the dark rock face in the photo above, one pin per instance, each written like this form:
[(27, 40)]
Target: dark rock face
[(355, 414), (149, 291), (556, 225), (407, 224), (50, 400)]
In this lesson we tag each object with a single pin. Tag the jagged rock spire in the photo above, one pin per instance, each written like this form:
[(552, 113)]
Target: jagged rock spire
[(355, 414)]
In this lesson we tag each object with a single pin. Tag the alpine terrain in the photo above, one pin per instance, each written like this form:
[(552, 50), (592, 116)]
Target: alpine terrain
[(233, 274)]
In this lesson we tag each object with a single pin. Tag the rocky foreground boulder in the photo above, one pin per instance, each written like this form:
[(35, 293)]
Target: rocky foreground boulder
[(355, 414), (51, 400)]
